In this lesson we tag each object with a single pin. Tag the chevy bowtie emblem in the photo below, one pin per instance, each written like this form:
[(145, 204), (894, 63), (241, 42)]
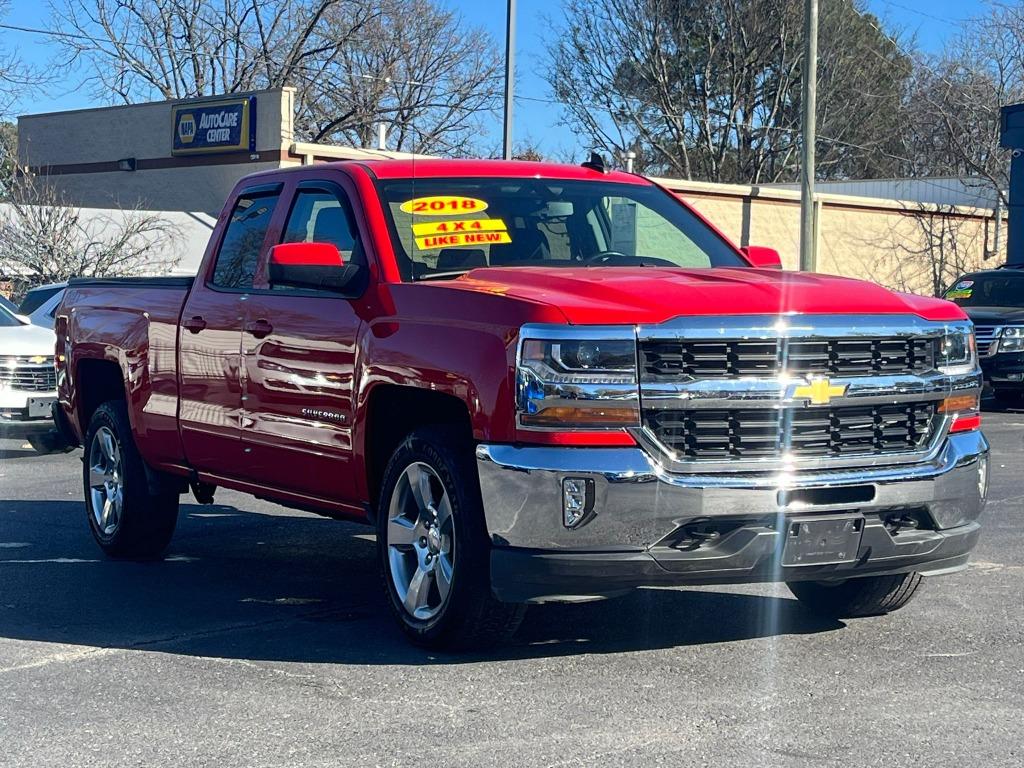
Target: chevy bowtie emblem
[(819, 391)]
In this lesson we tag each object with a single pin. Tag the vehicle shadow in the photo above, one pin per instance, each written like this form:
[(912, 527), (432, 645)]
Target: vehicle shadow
[(245, 585), (17, 453), (22, 430)]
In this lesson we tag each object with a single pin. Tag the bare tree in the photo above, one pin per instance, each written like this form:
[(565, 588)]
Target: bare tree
[(8, 158), (414, 66), (940, 245), (136, 50), (955, 97), (17, 79), (44, 240), (405, 62), (712, 90)]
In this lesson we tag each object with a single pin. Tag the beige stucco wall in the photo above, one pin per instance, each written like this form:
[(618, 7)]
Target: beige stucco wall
[(903, 245)]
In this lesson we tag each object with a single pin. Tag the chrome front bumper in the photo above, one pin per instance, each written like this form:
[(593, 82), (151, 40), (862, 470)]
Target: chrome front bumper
[(637, 507)]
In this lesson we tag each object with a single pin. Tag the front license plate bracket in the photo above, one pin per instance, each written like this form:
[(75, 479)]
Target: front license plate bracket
[(40, 407), (822, 540)]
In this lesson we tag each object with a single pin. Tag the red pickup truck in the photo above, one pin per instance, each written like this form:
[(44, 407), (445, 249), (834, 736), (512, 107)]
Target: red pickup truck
[(538, 383)]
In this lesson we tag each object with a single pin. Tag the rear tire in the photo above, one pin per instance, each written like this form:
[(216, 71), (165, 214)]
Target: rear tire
[(867, 596), (126, 518), (433, 548)]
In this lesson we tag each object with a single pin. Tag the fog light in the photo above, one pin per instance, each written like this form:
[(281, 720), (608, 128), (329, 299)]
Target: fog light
[(577, 501)]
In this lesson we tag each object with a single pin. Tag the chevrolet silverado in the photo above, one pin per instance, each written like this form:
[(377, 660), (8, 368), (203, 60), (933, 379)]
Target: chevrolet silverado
[(539, 383)]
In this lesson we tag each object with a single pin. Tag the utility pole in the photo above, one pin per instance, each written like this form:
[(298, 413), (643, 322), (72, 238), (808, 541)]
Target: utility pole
[(808, 242), (998, 245), (510, 71)]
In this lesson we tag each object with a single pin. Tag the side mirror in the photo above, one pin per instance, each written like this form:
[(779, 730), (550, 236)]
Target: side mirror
[(761, 257), (312, 266)]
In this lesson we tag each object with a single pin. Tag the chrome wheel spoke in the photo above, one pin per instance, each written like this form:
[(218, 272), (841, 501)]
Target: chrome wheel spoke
[(115, 508), (419, 484), (107, 445), (418, 595), (99, 477), (443, 575), (444, 511), (402, 532), (105, 513)]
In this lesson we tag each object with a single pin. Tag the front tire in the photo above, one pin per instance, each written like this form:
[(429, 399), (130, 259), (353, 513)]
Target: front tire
[(867, 596), (126, 518), (433, 547)]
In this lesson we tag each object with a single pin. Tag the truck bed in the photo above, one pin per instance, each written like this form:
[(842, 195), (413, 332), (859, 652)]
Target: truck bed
[(130, 323)]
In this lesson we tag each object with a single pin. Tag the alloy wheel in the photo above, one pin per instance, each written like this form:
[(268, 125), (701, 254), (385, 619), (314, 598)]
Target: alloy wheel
[(421, 542), (106, 482)]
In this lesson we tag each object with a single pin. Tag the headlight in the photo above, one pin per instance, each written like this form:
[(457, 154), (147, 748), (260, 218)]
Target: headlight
[(587, 383), (1011, 339), (956, 349)]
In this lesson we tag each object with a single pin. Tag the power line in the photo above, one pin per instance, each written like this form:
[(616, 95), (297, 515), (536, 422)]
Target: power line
[(921, 13), (99, 45)]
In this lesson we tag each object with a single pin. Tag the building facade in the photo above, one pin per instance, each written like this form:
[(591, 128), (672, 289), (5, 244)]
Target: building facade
[(167, 155)]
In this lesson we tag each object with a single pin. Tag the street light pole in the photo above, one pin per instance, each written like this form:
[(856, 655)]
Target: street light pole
[(510, 59), (808, 242)]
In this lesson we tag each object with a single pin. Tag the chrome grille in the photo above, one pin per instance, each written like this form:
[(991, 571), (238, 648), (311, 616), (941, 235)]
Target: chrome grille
[(985, 336), (25, 374), (735, 358), (823, 432)]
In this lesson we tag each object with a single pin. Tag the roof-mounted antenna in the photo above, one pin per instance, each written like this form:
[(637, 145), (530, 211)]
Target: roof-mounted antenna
[(595, 163)]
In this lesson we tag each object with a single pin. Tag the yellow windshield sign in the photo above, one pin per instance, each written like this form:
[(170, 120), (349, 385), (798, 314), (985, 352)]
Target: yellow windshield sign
[(450, 227), (443, 205), (819, 391)]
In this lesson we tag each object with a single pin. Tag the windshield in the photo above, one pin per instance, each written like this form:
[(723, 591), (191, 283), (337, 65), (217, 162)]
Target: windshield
[(7, 318), (1002, 290), (36, 297), (443, 227)]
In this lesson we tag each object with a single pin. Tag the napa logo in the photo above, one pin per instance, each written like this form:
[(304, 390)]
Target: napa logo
[(186, 128), (215, 125)]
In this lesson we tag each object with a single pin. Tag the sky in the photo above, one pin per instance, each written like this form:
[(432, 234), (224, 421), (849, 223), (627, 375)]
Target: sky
[(930, 21)]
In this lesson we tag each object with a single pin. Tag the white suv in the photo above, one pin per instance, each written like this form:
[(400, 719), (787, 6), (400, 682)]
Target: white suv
[(28, 380)]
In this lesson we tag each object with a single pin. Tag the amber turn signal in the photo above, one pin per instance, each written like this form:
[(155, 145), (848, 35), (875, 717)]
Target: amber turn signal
[(958, 403), (966, 410), (588, 417)]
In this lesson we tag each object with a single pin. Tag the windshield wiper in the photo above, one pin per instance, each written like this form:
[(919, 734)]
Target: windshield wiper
[(438, 275)]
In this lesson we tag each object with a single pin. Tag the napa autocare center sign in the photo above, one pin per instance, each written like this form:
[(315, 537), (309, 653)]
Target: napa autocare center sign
[(226, 125)]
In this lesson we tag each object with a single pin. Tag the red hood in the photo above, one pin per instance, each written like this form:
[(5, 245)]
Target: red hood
[(613, 295)]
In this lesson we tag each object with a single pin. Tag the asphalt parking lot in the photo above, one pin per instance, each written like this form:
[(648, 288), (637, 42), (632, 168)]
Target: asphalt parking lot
[(263, 639)]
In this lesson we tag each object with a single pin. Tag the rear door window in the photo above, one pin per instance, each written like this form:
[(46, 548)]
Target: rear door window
[(243, 240)]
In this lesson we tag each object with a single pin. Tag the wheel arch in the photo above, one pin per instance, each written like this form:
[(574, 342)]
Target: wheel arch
[(392, 412), (97, 381)]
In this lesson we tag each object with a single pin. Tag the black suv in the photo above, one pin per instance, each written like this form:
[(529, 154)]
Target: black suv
[(994, 300)]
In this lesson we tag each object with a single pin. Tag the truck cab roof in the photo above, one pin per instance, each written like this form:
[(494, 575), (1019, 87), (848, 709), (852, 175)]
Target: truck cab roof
[(407, 168)]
